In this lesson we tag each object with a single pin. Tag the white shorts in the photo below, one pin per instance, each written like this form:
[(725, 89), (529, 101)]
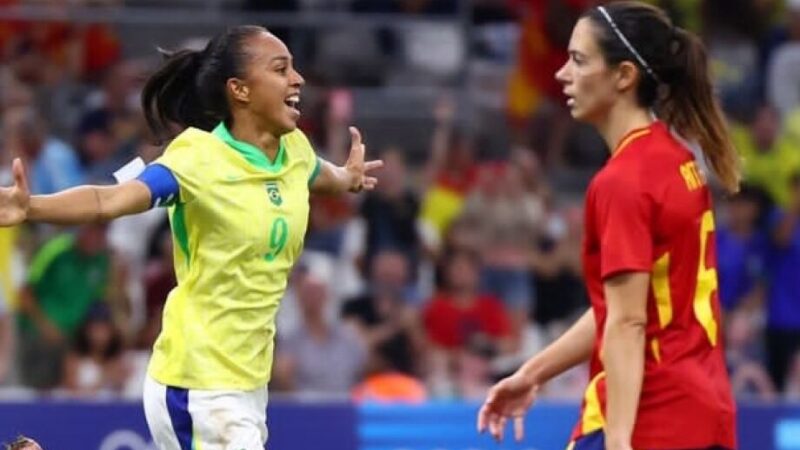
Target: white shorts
[(182, 419)]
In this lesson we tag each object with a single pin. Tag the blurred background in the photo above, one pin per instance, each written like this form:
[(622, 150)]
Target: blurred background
[(410, 301)]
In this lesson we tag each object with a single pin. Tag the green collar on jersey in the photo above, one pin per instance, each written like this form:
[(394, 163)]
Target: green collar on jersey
[(250, 152)]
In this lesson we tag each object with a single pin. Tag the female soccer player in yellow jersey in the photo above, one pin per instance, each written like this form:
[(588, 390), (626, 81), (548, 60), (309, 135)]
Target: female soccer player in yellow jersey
[(236, 181)]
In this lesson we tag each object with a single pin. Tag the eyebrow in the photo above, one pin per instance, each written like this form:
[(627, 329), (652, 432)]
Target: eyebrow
[(282, 58), (575, 53)]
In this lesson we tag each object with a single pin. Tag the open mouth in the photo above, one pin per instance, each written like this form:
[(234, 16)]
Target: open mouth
[(570, 99), (293, 102)]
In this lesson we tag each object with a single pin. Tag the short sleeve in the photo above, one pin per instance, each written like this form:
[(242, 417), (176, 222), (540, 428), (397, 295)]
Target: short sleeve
[(163, 186), (183, 159), (299, 143), (623, 217)]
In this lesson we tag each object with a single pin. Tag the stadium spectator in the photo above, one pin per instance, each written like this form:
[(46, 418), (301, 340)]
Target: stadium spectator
[(769, 153), (450, 173), (783, 69), (159, 279), (741, 247), (558, 269), (387, 379), (390, 387), (460, 314), (384, 316), (749, 378), (783, 293), (508, 219), (95, 365), (71, 49), (53, 164), (67, 276), (731, 29), (99, 150), (390, 213), (321, 357)]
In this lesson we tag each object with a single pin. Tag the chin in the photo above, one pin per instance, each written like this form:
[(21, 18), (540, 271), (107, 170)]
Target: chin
[(286, 126), (582, 116), (577, 114)]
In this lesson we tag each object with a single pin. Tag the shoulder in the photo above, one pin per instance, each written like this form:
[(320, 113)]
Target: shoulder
[(645, 165), (619, 177), (297, 137), (192, 142), (191, 150), (296, 142)]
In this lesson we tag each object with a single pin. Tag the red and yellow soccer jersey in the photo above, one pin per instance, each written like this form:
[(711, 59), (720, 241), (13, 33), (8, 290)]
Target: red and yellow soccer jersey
[(649, 210)]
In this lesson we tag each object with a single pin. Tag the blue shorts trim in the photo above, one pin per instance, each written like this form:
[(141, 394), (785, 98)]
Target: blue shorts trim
[(178, 407)]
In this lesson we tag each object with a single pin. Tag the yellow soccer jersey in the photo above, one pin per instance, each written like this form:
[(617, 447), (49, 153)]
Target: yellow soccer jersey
[(238, 227)]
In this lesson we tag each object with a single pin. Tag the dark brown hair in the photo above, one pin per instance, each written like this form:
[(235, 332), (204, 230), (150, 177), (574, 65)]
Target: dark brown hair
[(679, 88), (189, 89)]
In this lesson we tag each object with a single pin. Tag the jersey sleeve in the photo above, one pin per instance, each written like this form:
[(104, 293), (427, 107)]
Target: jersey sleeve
[(624, 214), (184, 160), (298, 140), (163, 186)]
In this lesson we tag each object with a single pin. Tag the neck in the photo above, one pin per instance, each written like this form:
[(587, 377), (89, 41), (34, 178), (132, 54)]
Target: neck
[(621, 121), (246, 128)]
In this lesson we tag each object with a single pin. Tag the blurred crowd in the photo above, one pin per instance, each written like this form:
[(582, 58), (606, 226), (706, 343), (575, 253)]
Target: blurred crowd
[(466, 259)]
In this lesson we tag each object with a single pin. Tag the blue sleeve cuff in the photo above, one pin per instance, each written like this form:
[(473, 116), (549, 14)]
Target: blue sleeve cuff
[(164, 189)]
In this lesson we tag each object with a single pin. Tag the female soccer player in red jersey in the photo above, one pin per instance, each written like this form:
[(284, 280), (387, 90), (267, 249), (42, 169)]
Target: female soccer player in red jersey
[(652, 335)]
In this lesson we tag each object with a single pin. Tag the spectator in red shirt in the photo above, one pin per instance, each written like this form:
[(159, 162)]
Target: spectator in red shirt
[(460, 315)]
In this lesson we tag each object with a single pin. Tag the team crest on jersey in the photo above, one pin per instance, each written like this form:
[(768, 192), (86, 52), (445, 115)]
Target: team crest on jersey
[(274, 194)]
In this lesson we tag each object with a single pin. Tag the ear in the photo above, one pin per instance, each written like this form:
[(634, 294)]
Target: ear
[(239, 90), (628, 75)]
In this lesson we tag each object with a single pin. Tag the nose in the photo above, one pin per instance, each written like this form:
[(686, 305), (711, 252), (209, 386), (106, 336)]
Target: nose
[(561, 75), (297, 80)]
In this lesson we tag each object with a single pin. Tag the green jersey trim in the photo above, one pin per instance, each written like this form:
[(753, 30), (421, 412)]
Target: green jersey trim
[(250, 152), (179, 230), (315, 173)]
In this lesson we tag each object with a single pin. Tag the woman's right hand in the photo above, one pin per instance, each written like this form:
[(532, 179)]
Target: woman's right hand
[(511, 398), (15, 200)]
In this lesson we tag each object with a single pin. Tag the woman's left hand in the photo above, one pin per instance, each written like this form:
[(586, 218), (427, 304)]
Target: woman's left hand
[(357, 168)]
